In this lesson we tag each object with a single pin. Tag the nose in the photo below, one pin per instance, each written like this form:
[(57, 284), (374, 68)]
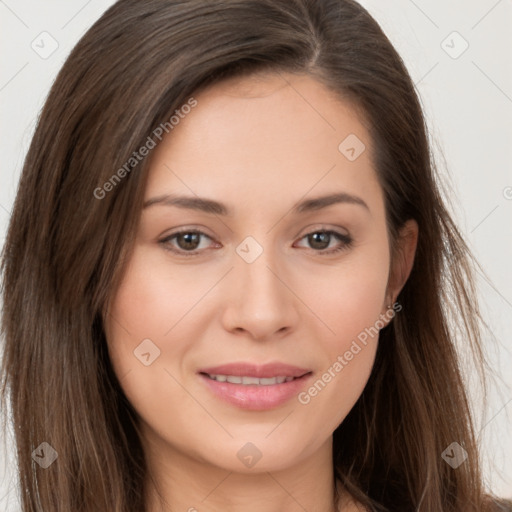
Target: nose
[(259, 301)]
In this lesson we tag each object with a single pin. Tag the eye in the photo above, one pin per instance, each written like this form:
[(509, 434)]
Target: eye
[(189, 242), (185, 241), (321, 241)]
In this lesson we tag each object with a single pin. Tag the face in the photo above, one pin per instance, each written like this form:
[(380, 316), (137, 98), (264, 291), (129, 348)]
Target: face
[(262, 253)]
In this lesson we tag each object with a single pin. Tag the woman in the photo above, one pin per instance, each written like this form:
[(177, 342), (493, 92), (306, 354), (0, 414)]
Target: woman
[(229, 277)]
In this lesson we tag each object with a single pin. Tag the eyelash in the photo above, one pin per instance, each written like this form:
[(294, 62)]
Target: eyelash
[(346, 239)]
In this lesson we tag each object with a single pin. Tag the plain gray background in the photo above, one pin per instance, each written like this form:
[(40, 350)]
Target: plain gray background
[(459, 55)]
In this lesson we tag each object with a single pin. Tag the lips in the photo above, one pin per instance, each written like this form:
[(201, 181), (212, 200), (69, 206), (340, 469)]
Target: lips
[(254, 387)]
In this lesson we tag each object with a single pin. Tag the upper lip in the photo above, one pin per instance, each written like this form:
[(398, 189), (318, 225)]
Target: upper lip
[(269, 370)]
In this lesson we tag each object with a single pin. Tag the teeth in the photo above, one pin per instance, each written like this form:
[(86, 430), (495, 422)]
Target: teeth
[(250, 380)]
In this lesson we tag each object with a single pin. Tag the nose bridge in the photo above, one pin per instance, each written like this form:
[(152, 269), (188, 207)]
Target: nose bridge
[(254, 259), (258, 279), (259, 302)]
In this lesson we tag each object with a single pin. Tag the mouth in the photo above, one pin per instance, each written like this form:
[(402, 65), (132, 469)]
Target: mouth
[(245, 380), (255, 388)]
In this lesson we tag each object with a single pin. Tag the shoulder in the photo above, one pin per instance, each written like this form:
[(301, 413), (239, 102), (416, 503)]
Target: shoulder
[(358, 507), (353, 506), (347, 502)]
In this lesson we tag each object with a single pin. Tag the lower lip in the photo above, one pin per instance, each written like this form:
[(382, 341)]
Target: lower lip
[(254, 397)]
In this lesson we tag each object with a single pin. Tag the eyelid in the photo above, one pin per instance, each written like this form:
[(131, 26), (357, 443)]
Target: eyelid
[(315, 228), (200, 230)]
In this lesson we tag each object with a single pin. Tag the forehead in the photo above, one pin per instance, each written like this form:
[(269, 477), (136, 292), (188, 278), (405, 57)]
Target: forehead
[(262, 137)]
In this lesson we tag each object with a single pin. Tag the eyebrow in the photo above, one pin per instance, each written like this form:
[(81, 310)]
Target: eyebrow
[(214, 207)]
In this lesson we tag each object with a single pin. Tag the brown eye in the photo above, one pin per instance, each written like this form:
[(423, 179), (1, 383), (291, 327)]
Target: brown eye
[(319, 240), (188, 241)]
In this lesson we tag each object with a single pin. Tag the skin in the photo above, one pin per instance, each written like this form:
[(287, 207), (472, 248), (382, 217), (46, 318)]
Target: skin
[(259, 145)]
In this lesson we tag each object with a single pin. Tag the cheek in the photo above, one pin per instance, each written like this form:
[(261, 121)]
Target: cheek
[(349, 301), (149, 309), (348, 355), (155, 296), (349, 297)]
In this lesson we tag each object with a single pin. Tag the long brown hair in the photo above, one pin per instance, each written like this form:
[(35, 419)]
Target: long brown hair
[(67, 244)]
